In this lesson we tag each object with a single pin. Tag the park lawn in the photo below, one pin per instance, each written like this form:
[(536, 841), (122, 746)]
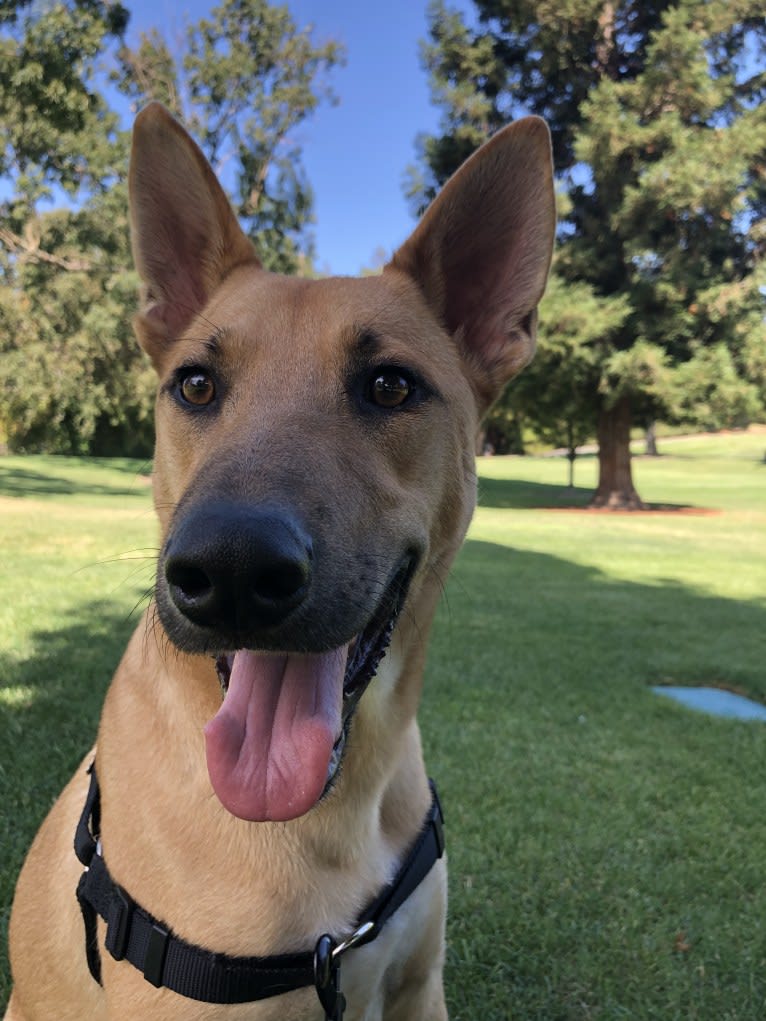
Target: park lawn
[(607, 847)]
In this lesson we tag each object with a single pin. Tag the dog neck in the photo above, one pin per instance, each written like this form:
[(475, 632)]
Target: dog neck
[(362, 827)]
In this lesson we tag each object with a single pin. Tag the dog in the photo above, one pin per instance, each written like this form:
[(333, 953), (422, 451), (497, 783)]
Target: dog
[(257, 780)]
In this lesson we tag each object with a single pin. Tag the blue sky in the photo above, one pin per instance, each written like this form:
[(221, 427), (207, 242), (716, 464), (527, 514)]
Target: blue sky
[(356, 152)]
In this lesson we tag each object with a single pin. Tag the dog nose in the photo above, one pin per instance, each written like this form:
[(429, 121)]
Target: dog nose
[(233, 568)]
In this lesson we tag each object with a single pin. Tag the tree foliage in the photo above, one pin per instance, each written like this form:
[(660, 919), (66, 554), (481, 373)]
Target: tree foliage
[(554, 393), (659, 129), (246, 80), (50, 107), (65, 286), (73, 378)]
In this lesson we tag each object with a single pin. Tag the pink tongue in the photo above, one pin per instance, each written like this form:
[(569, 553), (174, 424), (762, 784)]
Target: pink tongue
[(269, 745)]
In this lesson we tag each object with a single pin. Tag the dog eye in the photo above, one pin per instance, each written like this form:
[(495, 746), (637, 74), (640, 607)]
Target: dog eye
[(390, 389), (197, 388)]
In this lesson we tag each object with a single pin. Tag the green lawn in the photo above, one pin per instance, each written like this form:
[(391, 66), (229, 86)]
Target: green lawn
[(607, 848)]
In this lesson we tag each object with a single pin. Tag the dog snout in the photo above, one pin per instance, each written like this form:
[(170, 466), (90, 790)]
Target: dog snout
[(232, 569)]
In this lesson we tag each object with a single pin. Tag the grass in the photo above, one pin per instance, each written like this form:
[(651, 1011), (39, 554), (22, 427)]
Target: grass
[(607, 848)]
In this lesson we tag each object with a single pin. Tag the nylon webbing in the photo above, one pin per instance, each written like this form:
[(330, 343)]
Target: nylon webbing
[(167, 960)]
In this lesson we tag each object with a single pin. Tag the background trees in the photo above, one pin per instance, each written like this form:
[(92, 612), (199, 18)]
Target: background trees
[(659, 130), (245, 79), (656, 309), (73, 378), (64, 278)]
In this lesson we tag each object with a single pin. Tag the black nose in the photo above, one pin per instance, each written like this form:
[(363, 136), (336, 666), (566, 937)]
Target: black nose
[(232, 568)]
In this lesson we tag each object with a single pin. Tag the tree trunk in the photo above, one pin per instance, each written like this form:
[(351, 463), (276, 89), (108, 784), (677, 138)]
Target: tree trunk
[(571, 456), (651, 441), (571, 452), (615, 478)]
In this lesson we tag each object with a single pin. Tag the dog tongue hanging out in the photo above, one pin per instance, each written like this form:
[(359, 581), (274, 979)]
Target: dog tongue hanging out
[(314, 479), (270, 746)]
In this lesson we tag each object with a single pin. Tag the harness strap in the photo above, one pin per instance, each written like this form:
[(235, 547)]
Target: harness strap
[(85, 845), (425, 852), (133, 934)]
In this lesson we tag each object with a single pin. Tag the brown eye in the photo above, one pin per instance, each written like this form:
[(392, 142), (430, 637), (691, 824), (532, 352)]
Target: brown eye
[(390, 389), (197, 389)]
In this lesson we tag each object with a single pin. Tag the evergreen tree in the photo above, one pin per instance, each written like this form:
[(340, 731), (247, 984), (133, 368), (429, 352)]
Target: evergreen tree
[(554, 393), (659, 128)]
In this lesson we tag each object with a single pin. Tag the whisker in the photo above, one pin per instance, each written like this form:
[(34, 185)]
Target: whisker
[(145, 597)]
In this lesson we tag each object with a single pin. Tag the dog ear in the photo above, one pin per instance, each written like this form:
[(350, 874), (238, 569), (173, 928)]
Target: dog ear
[(185, 235), (482, 252)]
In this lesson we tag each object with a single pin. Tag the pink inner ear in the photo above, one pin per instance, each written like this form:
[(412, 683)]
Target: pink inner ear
[(479, 281), (177, 292), (186, 238), (482, 251), (173, 317)]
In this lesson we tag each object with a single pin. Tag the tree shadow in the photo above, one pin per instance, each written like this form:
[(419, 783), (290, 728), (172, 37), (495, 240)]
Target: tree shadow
[(572, 785), (516, 494), (49, 708), (545, 608), (503, 494), (43, 481)]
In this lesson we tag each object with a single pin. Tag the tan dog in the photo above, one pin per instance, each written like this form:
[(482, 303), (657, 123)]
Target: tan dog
[(314, 479)]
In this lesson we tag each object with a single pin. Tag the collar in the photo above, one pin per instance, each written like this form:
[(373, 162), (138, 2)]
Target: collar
[(135, 935)]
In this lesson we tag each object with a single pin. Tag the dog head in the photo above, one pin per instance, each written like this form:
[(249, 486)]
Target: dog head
[(314, 471)]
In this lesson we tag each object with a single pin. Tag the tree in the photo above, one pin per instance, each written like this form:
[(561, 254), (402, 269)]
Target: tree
[(75, 381), (247, 78), (70, 372), (73, 377), (659, 134), (50, 108), (554, 394)]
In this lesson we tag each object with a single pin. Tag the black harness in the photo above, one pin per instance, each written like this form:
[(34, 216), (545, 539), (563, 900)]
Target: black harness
[(134, 935)]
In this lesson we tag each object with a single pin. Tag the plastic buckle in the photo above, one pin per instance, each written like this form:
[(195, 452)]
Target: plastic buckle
[(118, 925), (327, 956), (327, 978), (154, 958)]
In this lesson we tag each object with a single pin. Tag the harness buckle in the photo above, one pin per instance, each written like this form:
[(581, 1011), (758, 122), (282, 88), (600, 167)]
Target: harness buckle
[(327, 957), (118, 924), (154, 958), (327, 977)]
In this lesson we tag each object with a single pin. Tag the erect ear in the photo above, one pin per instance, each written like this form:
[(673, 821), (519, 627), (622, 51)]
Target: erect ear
[(482, 252), (184, 233)]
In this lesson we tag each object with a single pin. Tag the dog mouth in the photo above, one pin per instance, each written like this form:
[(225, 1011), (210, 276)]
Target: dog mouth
[(366, 650), (275, 747)]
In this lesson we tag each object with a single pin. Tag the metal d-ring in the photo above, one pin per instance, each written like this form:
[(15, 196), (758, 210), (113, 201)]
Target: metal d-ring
[(358, 936)]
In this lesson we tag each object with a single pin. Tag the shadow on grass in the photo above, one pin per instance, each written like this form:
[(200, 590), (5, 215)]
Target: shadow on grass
[(554, 759), (512, 493), (49, 709), (43, 481), (504, 494), (547, 609)]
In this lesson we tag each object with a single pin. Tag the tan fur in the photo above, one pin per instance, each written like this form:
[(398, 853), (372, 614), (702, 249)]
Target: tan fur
[(457, 304)]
